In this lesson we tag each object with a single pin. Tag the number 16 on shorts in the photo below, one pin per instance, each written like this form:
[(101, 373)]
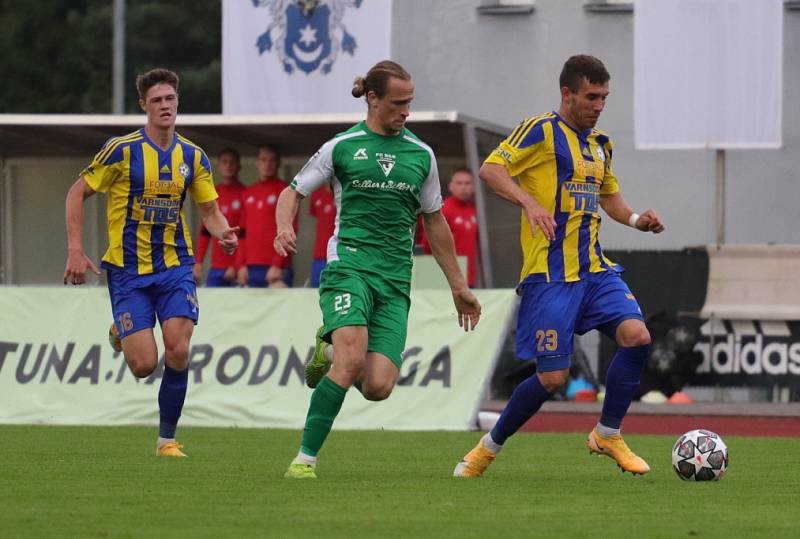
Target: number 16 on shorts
[(341, 303)]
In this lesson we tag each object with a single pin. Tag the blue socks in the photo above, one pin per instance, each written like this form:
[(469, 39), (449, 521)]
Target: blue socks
[(170, 400), (526, 400), (622, 381)]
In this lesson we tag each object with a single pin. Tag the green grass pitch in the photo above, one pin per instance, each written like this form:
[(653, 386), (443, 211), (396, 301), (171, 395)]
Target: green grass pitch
[(106, 482)]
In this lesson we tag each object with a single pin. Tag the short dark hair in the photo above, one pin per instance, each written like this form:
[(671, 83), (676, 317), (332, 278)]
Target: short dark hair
[(463, 169), (233, 151), (145, 81), (377, 78), (579, 67), (269, 149)]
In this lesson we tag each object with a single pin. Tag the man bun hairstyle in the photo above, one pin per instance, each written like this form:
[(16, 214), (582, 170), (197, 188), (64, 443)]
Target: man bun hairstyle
[(145, 81), (377, 79), (579, 67), (359, 87)]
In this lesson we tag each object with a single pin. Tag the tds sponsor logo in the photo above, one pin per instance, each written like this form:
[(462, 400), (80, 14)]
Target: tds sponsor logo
[(579, 197), (158, 210), (748, 348)]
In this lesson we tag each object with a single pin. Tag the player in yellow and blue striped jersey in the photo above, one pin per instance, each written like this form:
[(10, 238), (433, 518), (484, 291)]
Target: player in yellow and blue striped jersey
[(146, 176), (567, 285)]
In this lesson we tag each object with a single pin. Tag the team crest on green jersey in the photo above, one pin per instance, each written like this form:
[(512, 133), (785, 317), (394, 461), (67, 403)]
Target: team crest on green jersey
[(386, 161)]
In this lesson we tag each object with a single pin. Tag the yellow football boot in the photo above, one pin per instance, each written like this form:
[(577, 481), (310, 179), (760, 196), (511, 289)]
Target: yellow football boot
[(475, 462), (318, 366), (171, 449), (113, 338), (616, 448), (298, 470)]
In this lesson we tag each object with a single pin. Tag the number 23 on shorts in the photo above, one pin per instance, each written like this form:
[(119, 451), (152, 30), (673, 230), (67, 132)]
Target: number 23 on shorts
[(546, 340), (341, 303)]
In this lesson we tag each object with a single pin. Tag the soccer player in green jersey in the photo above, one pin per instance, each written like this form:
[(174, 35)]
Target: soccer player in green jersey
[(382, 177)]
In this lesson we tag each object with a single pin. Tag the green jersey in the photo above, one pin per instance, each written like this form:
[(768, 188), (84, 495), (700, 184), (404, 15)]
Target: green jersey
[(380, 185)]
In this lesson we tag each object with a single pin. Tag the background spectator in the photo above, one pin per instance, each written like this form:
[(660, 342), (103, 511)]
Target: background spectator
[(230, 190), (459, 211), (323, 208), (263, 266)]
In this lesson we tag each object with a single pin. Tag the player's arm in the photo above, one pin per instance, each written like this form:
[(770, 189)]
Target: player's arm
[(315, 173), (77, 261), (444, 251), (285, 212), (500, 181), (619, 210), (217, 225)]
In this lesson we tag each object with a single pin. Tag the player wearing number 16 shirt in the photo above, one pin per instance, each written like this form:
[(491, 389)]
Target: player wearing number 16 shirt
[(382, 176), (146, 176)]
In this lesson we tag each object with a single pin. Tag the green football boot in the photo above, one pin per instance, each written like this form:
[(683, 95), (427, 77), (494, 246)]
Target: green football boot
[(319, 365), (298, 470)]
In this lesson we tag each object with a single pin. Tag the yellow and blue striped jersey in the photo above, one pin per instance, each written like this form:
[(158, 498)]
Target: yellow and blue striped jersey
[(146, 187), (565, 171)]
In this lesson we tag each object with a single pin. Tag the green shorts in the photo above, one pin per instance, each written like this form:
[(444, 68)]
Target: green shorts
[(350, 298)]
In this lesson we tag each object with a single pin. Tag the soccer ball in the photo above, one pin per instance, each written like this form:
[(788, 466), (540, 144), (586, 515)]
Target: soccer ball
[(700, 455)]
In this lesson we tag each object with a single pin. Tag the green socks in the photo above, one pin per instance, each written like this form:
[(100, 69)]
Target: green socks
[(326, 401)]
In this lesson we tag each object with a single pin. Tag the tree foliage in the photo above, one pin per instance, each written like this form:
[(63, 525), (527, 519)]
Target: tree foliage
[(57, 55)]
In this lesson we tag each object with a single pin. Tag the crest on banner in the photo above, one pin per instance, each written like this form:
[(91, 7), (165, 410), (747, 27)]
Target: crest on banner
[(307, 35)]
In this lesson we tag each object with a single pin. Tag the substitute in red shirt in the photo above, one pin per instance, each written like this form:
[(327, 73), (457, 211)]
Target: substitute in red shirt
[(264, 266), (459, 211), (230, 190), (323, 207)]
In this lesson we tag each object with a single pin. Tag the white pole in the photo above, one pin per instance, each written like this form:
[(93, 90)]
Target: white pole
[(118, 57), (474, 163), (719, 195)]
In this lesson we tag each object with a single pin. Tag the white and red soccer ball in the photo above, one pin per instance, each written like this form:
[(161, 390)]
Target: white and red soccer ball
[(700, 455)]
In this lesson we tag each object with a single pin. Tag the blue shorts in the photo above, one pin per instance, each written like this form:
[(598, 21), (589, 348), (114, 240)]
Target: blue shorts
[(317, 265), (550, 313), (257, 276), (216, 279), (136, 300)]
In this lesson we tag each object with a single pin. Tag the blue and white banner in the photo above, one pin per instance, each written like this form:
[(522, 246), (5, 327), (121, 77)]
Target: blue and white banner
[(299, 56)]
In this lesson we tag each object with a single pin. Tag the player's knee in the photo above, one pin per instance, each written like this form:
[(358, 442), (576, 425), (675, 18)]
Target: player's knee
[(178, 355), (141, 369), (637, 337), (377, 393), (348, 367), (555, 381)]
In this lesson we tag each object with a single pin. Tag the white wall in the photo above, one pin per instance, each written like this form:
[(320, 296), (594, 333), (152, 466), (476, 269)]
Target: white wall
[(504, 68)]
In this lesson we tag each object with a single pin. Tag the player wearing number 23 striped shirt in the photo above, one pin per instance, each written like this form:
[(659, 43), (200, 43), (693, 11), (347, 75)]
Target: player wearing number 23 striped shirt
[(382, 176), (146, 176), (567, 285)]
